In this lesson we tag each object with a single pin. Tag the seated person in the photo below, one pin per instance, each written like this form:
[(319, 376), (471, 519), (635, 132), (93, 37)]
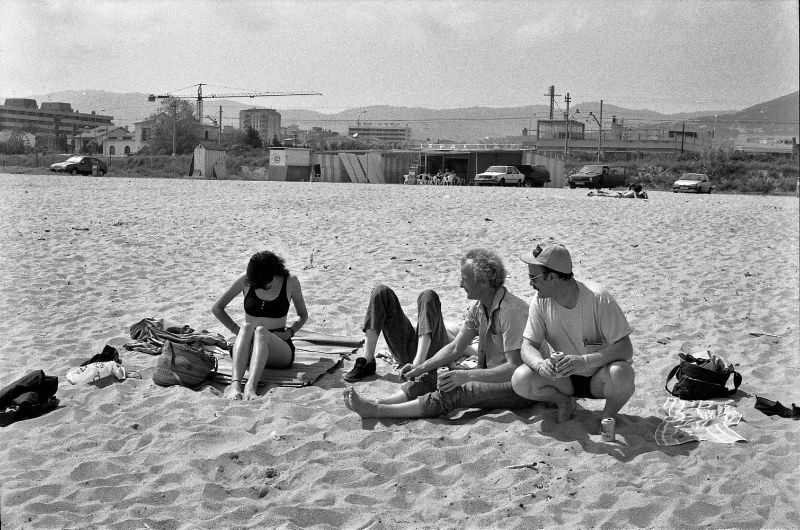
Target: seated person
[(409, 347), (497, 317), (587, 331), (263, 340)]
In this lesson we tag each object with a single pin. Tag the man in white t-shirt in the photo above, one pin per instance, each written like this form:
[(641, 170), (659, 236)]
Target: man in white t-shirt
[(587, 332)]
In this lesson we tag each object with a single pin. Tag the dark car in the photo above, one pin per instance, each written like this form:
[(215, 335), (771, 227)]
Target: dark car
[(597, 176), (535, 176), (85, 165)]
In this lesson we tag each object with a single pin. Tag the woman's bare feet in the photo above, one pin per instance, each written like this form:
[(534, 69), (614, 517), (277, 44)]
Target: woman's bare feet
[(250, 392), (234, 391), (359, 405)]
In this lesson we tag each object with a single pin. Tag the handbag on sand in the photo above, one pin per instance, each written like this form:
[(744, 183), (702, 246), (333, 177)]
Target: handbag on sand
[(182, 364), (702, 378)]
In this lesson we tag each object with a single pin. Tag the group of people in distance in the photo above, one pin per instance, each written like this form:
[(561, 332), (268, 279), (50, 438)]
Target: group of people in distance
[(572, 340)]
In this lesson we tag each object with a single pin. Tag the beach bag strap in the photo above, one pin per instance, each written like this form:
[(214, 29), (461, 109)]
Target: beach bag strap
[(672, 374), (737, 380)]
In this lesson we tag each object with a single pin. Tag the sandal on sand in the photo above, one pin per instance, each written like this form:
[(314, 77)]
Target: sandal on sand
[(775, 408)]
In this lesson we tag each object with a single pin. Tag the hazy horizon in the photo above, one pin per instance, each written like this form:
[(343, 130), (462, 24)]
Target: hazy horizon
[(664, 56)]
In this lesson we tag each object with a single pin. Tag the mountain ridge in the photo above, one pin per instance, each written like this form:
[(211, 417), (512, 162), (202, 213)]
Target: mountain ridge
[(775, 117)]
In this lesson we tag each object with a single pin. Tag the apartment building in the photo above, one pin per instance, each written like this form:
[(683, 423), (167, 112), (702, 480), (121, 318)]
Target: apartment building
[(267, 122)]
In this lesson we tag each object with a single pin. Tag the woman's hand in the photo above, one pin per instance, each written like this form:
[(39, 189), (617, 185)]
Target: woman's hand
[(284, 335)]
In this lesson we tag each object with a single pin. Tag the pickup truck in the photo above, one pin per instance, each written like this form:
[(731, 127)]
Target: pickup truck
[(597, 176)]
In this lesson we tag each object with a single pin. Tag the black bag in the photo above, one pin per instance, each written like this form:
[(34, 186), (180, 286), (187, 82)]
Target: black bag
[(694, 381), (29, 396), (183, 364)]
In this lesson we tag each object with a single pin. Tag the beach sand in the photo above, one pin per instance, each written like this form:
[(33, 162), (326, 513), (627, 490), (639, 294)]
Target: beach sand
[(84, 258)]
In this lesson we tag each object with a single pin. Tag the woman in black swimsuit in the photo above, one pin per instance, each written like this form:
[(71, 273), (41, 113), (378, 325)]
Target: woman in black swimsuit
[(263, 340)]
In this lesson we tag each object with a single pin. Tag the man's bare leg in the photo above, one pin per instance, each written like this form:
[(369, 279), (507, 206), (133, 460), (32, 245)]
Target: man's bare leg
[(397, 397), (370, 343), (370, 409), (617, 383)]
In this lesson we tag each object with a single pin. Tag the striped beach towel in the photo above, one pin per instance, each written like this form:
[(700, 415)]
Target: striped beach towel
[(692, 421)]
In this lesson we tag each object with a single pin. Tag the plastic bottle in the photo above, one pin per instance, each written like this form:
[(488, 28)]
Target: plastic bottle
[(92, 372)]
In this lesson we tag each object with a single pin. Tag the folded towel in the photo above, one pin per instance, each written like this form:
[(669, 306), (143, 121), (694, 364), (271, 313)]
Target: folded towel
[(692, 421)]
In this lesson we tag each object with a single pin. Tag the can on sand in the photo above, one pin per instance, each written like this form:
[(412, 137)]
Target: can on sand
[(607, 430)]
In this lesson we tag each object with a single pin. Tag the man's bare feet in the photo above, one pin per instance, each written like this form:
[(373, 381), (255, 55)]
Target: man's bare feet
[(234, 391), (566, 409), (359, 405)]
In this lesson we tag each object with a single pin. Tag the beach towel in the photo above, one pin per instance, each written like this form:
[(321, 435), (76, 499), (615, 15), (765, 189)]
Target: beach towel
[(693, 421), (149, 335), (315, 355)]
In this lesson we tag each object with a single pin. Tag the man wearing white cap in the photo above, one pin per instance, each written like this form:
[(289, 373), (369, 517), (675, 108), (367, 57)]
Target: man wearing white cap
[(585, 328)]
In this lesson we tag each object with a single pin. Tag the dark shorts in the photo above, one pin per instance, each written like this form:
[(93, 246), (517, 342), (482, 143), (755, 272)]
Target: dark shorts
[(287, 341), (582, 386)]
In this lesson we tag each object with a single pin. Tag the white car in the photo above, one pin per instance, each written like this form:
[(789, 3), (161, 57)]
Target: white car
[(693, 183), (500, 176)]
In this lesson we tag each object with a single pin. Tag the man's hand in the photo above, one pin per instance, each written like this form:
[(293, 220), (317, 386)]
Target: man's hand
[(568, 365), (452, 379), (546, 369), (409, 371)]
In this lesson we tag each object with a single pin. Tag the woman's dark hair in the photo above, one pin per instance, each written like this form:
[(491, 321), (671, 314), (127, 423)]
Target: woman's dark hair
[(637, 188), (264, 266)]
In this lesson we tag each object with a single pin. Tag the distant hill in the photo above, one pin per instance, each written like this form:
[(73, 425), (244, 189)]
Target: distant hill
[(776, 117)]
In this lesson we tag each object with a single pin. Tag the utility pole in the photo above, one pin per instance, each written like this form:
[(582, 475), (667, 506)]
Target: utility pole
[(174, 121), (683, 135), (200, 102), (599, 130), (600, 133), (219, 136), (566, 135), (552, 93)]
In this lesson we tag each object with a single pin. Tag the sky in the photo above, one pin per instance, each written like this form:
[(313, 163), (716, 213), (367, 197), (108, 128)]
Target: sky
[(668, 56)]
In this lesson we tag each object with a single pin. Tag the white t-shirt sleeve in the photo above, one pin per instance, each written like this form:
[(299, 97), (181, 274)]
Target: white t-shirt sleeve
[(535, 326), (612, 321)]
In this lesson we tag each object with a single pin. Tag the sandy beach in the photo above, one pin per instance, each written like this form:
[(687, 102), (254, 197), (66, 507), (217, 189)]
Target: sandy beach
[(84, 258)]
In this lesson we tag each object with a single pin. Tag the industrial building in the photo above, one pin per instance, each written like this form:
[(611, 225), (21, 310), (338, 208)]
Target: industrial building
[(390, 134), (54, 124)]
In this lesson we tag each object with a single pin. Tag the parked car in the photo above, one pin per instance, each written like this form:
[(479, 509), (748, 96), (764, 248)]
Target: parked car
[(693, 183), (597, 176), (80, 164), (535, 176), (500, 176)]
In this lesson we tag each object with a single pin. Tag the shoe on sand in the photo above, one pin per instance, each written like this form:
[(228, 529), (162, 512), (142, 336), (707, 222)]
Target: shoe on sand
[(360, 370)]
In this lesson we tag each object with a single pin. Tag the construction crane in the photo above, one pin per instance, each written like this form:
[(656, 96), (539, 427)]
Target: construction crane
[(200, 96)]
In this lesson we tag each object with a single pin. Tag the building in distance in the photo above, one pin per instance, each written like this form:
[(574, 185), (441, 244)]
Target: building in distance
[(266, 122)]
